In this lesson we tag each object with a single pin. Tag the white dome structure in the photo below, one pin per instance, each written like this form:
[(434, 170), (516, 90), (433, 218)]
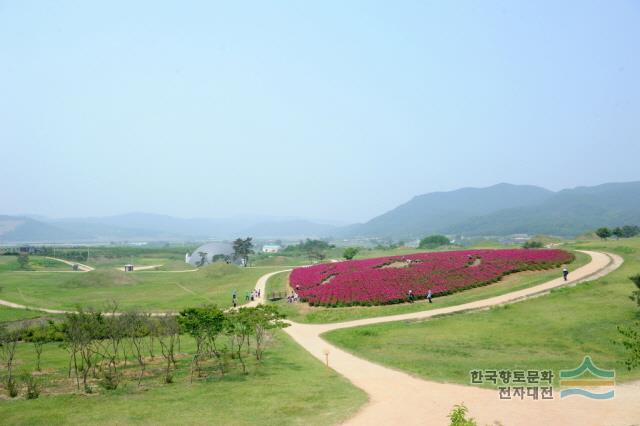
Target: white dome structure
[(205, 254)]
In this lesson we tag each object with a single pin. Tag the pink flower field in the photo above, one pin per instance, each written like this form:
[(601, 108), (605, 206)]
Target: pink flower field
[(386, 280)]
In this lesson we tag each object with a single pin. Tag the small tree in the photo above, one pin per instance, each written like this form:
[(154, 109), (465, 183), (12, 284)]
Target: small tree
[(23, 261), (242, 248), (532, 244), (350, 252), (263, 319), (38, 336), (631, 334), (635, 295), (617, 232), (603, 233), (8, 344), (204, 325), (458, 416), (433, 241), (629, 231)]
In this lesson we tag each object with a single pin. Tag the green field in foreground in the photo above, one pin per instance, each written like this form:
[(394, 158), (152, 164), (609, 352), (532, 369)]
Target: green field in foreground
[(289, 388), (302, 312), (144, 290), (550, 332)]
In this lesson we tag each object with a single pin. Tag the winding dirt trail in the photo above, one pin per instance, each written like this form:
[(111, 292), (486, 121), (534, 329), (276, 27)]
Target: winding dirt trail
[(396, 397), (399, 398)]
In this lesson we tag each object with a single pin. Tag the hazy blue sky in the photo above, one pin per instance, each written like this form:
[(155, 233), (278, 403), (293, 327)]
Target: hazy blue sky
[(336, 110)]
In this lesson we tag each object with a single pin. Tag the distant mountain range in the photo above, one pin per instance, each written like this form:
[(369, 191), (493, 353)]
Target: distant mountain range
[(153, 227), (497, 210), (505, 209)]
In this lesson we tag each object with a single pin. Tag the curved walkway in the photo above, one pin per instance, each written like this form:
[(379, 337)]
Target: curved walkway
[(399, 398), (396, 397)]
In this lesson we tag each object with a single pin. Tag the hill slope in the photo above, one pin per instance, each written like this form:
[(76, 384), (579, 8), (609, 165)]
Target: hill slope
[(508, 209), (434, 212)]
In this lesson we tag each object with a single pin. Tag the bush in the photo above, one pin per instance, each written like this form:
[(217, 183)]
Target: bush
[(532, 244), (458, 416), (33, 385), (12, 387), (434, 241)]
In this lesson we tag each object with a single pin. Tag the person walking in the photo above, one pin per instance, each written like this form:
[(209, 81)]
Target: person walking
[(429, 296), (565, 273), (410, 296)]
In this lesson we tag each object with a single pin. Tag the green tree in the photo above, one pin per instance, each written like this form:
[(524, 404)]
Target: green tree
[(532, 244), (264, 318), (629, 231), (603, 233), (631, 334), (433, 241), (204, 324), (23, 261), (350, 252), (617, 232), (242, 248), (635, 295), (458, 416)]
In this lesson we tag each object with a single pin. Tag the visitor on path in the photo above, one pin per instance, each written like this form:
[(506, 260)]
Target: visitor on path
[(565, 273), (410, 296), (429, 296), (235, 302)]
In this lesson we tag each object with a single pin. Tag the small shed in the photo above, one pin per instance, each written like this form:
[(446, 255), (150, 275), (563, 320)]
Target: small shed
[(128, 267)]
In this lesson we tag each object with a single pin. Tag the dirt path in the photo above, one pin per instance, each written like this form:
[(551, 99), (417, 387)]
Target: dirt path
[(399, 398), (261, 285), (81, 267), (138, 268)]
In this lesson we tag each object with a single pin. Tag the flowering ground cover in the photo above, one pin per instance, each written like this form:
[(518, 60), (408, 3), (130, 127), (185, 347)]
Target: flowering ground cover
[(387, 280)]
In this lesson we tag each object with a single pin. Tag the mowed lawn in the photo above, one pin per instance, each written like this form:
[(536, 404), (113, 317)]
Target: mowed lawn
[(302, 312), (144, 290), (290, 387), (550, 332)]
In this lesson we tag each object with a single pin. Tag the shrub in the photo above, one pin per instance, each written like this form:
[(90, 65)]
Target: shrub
[(32, 384), (458, 416)]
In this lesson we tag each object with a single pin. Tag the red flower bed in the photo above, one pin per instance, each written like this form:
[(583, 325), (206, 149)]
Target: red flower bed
[(386, 280)]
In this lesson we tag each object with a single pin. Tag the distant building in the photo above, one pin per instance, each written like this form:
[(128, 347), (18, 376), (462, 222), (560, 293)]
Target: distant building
[(209, 253), (271, 248)]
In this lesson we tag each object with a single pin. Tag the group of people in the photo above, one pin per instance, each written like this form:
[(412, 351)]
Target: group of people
[(412, 297), (249, 296), (293, 297)]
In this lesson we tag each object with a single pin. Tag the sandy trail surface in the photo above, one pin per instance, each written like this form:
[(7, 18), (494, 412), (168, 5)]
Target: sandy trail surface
[(397, 398)]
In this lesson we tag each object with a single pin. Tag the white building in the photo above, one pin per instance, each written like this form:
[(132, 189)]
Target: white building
[(271, 248)]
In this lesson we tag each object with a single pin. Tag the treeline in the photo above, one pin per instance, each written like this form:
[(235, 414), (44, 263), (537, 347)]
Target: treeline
[(101, 346), (626, 231), (313, 249)]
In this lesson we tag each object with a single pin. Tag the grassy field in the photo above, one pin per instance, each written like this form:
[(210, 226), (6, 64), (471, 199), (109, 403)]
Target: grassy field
[(10, 314), (36, 263), (549, 332), (302, 312), (289, 388), (144, 290)]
